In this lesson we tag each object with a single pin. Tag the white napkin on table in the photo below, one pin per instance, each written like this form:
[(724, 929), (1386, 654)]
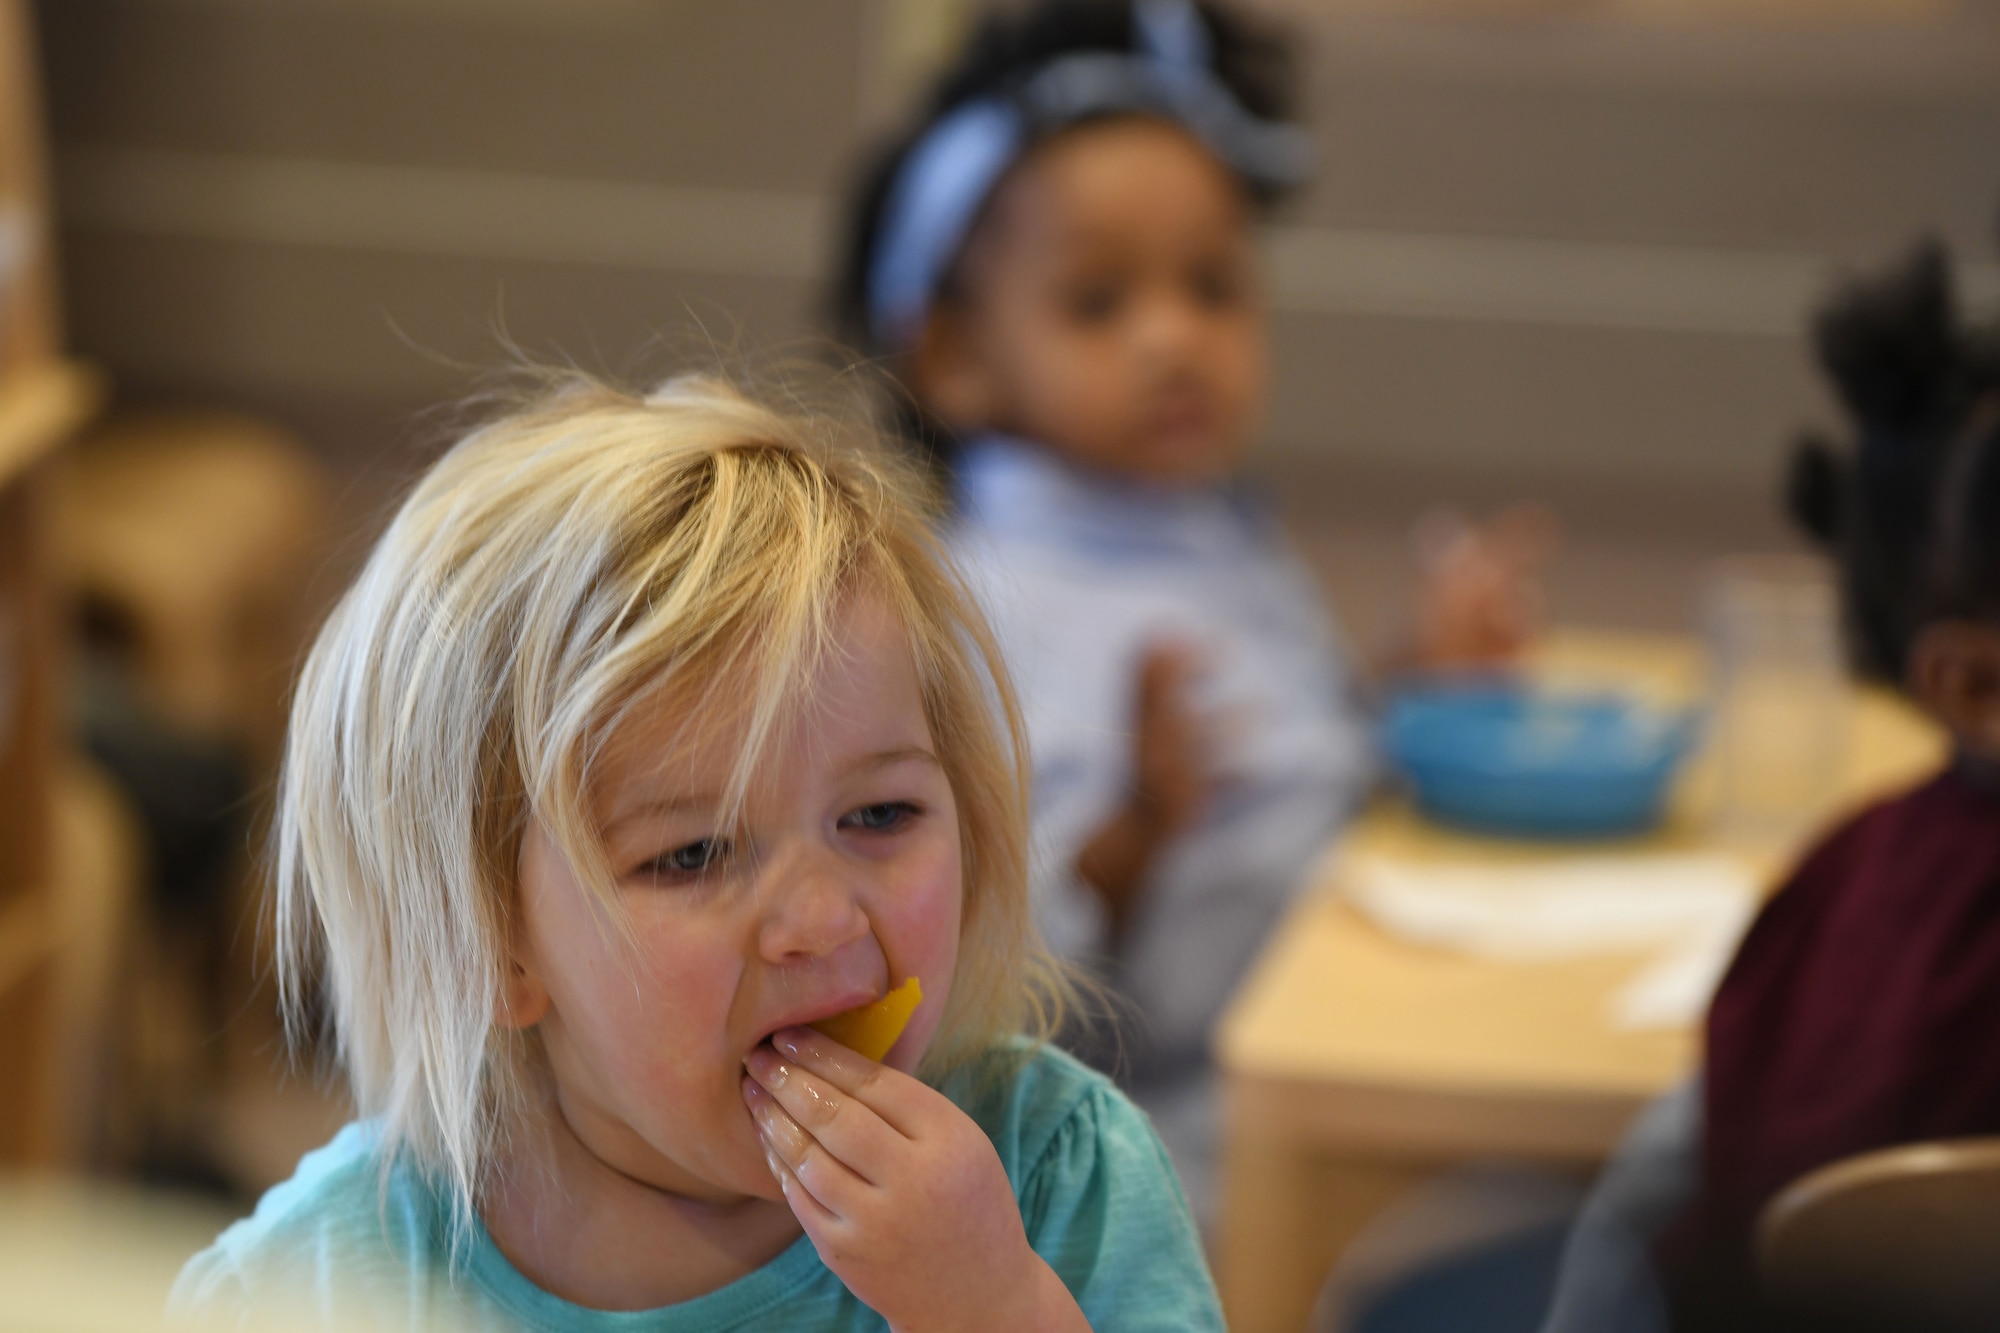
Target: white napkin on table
[(1690, 909)]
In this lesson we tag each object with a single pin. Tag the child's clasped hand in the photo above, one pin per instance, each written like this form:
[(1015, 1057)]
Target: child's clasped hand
[(1481, 602), (902, 1194)]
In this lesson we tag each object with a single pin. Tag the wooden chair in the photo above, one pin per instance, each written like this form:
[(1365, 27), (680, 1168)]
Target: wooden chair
[(1905, 1238), (185, 546), (98, 856), (200, 533)]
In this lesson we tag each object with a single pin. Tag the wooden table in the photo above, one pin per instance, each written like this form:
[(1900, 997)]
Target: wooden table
[(1357, 1066)]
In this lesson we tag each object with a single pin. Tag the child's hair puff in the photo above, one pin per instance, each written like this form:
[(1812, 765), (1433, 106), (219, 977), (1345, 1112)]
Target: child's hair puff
[(1908, 508), (588, 552)]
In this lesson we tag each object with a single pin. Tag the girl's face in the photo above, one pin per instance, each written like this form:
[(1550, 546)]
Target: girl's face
[(1110, 308), (840, 878)]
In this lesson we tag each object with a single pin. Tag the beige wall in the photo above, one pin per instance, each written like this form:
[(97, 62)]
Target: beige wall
[(1571, 247)]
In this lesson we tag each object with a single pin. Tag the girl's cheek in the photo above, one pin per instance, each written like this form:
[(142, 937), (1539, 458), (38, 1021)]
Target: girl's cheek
[(916, 917), (683, 991), (925, 927), (926, 914)]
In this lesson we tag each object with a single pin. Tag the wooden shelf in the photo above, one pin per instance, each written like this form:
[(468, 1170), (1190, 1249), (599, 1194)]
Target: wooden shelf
[(44, 400), (41, 405)]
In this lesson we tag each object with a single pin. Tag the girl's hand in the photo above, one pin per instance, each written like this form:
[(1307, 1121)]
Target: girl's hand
[(903, 1195), (1172, 759), (1173, 778), (1481, 602)]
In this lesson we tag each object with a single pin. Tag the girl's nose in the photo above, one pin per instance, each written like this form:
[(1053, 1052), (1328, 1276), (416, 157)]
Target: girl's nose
[(810, 907), (1169, 325)]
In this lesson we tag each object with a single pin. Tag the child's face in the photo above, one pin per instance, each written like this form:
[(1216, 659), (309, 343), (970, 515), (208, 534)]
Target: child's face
[(1954, 671), (1110, 309), (841, 878)]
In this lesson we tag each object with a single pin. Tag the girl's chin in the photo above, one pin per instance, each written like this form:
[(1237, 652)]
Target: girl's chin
[(750, 1183), (737, 1173), (750, 1178)]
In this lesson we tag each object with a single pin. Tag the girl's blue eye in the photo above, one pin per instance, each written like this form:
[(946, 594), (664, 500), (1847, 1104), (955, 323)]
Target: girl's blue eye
[(881, 817), (693, 859)]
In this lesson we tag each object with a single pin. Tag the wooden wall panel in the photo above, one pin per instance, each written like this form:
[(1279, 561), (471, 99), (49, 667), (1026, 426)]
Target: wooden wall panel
[(1779, 145)]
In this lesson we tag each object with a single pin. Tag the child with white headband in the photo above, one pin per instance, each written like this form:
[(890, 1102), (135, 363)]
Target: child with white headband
[(1059, 262), (650, 770)]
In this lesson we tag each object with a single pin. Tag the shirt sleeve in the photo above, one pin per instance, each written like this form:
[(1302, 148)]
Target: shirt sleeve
[(1032, 618), (1104, 1208), (1070, 914)]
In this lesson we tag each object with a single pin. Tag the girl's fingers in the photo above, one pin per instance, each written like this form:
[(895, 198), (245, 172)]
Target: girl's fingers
[(838, 1120), (822, 1176), (813, 1215), (896, 1099)]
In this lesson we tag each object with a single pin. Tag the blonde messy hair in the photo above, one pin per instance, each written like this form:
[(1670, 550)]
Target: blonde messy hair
[(583, 553)]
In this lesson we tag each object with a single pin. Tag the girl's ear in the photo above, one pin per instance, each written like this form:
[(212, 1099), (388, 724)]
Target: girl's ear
[(1955, 673), (523, 999), (950, 376)]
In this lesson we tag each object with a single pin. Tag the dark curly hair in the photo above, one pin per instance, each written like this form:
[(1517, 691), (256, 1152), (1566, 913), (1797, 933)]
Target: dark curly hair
[(1255, 63), (1911, 508)]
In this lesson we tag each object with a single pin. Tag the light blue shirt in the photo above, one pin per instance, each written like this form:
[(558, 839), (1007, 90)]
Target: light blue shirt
[(348, 1246), (1080, 574)]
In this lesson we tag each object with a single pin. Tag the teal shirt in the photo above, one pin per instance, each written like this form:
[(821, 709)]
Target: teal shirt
[(1097, 1195)]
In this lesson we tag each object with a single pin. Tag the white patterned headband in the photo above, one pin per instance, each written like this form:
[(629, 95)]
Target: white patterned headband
[(948, 174)]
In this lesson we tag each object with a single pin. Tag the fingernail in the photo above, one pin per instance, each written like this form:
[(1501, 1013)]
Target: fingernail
[(789, 1040), (767, 1068), (776, 1167)]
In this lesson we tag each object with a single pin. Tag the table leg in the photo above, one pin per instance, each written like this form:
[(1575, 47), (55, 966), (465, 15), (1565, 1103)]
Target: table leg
[(1289, 1212)]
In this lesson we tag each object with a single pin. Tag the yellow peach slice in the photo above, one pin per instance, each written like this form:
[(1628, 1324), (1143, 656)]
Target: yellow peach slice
[(873, 1028)]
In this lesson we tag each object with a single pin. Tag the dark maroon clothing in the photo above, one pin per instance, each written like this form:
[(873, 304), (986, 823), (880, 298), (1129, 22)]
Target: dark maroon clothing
[(1862, 1011)]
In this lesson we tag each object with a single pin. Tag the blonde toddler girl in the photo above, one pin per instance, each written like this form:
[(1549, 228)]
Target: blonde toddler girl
[(653, 731)]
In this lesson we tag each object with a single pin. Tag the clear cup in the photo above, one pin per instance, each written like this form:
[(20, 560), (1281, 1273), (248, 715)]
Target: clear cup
[(1780, 722)]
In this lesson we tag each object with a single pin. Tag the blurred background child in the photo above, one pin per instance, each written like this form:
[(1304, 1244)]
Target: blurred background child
[(1058, 258), (1859, 1012)]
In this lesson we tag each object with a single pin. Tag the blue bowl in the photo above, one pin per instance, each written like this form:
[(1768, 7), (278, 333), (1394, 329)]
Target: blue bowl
[(1501, 758)]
